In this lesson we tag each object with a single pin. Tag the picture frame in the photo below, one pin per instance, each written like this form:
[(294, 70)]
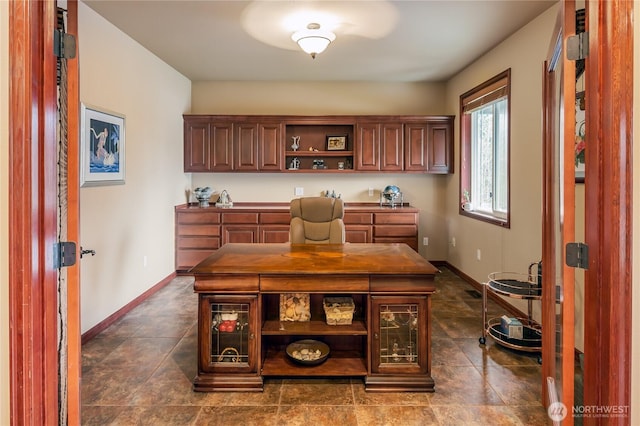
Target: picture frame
[(102, 147), (580, 139), (337, 142)]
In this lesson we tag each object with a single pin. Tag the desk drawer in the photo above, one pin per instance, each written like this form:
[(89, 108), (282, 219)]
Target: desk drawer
[(197, 230), (352, 218), (277, 218), (395, 231), (198, 217), (249, 218), (198, 243), (395, 218)]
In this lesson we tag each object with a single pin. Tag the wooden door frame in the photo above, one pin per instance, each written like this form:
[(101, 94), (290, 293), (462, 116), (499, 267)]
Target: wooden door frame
[(608, 206), (33, 336)]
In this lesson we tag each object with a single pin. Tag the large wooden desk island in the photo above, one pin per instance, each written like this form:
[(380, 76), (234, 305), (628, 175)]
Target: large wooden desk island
[(241, 338)]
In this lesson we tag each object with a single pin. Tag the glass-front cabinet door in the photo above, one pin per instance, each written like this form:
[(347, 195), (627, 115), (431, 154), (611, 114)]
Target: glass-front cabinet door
[(228, 342), (400, 334)]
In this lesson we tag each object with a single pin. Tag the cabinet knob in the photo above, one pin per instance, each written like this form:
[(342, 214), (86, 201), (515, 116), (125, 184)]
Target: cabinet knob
[(375, 336), (251, 336)]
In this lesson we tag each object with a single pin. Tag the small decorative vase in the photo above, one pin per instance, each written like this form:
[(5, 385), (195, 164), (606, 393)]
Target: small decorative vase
[(203, 195), (296, 143)]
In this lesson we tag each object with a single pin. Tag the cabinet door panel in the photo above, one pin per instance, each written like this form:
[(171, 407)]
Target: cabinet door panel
[(395, 230), (270, 147), (274, 234), (415, 155), (246, 147), (196, 146), (391, 147), (400, 341), (221, 147), (358, 234), (395, 218), (239, 234), (368, 147), (439, 155)]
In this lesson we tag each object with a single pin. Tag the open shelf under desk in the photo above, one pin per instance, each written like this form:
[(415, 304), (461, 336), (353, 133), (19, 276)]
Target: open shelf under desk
[(312, 328), (339, 363)]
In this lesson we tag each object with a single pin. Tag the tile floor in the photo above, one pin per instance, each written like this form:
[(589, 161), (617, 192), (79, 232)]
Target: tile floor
[(139, 372)]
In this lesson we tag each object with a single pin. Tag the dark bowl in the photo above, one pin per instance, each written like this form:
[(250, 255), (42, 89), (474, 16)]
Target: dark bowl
[(311, 346)]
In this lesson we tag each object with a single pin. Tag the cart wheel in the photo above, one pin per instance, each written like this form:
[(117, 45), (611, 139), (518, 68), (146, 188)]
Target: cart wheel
[(482, 340)]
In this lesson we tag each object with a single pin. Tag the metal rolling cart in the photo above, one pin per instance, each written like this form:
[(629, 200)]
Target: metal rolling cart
[(519, 286)]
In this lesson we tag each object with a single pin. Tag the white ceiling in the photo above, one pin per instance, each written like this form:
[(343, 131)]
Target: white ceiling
[(405, 41)]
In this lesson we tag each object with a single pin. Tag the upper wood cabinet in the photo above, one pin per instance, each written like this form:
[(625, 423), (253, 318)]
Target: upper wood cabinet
[(429, 146), (379, 146), (417, 144)]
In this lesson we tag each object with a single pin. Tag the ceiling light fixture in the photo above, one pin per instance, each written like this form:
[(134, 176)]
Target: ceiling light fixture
[(313, 40)]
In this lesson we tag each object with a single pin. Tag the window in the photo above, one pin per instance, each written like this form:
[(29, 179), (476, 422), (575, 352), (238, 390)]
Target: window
[(484, 153)]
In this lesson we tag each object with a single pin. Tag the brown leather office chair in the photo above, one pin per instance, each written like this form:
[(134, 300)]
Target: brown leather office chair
[(316, 220)]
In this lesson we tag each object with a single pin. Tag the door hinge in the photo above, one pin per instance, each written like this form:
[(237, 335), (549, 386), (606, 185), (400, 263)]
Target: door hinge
[(64, 254), (578, 46), (577, 255), (64, 45)]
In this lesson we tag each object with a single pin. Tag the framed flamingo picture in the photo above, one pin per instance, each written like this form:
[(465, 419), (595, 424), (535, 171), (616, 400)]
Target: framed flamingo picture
[(580, 142), (102, 147)]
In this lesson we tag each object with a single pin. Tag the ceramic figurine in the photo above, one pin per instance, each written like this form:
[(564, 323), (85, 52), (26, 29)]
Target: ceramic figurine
[(296, 143)]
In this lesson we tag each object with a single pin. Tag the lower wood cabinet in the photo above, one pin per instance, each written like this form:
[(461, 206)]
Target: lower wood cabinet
[(400, 334), (201, 231)]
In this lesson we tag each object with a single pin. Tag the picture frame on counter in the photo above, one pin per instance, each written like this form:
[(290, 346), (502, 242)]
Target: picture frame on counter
[(337, 142), (102, 147)]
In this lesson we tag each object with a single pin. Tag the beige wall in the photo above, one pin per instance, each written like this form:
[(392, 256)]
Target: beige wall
[(340, 98), (506, 249), (4, 213), (125, 223)]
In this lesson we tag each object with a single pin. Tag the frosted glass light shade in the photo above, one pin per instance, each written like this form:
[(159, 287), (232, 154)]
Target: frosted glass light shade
[(313, 41)]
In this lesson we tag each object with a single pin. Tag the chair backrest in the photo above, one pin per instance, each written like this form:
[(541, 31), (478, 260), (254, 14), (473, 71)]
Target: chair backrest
[(317, 220)]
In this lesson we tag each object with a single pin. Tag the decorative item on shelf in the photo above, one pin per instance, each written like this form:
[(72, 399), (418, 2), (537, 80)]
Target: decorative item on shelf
[(203, 195), (466, 201), (296, 143), (312, 149), (224, 200), (318, 164), (295, 164), (338, 310), (308, 352), (229, 355), (340, 165), (331, 194), (337, 143), (391, 195), (295, 307)]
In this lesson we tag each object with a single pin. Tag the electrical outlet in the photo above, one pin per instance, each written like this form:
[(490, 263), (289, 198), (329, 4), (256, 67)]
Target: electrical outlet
[(425, 241), (478, 255), (370, 192), (298, 191), (453, 241)]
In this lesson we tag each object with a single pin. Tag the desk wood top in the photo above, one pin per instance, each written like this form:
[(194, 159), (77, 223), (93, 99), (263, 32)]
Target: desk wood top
[(315, 259)]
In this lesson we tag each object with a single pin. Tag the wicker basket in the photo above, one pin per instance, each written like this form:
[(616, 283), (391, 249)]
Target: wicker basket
[(338, 310)]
